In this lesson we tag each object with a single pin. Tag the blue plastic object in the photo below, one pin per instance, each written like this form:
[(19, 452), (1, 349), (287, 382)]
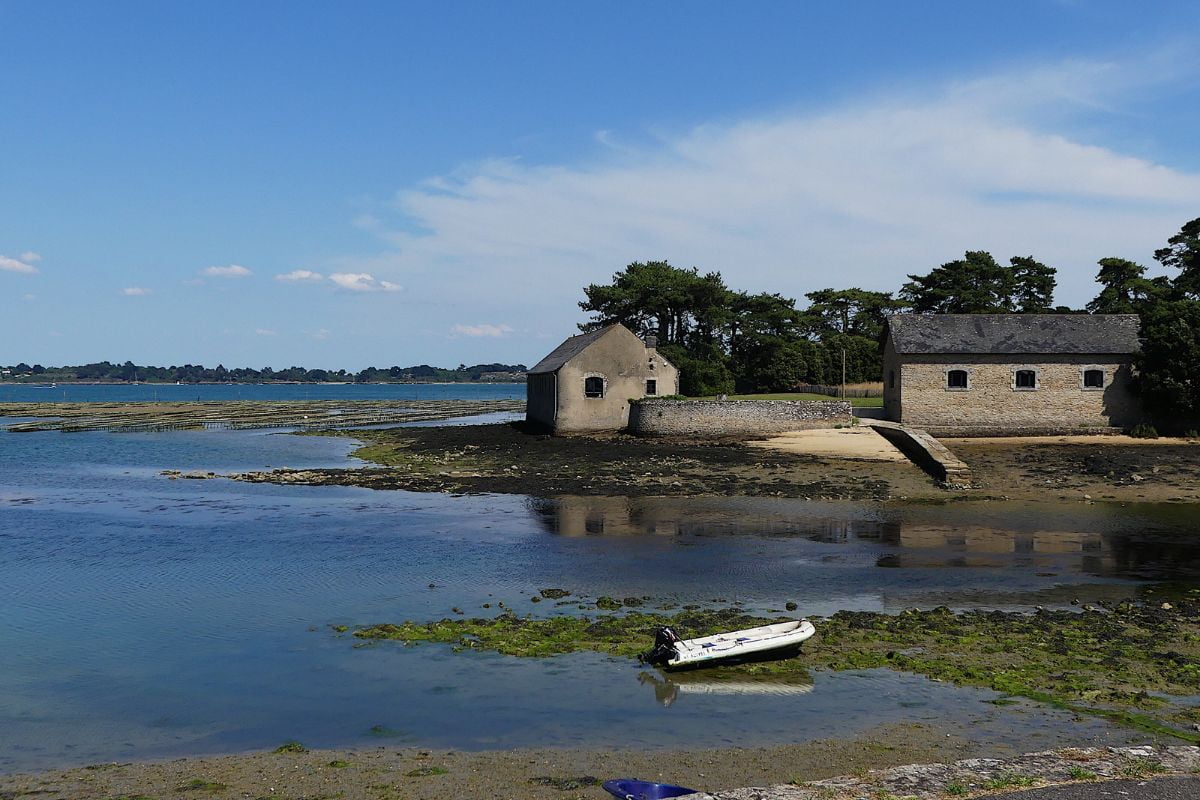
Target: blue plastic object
[(629, 789)]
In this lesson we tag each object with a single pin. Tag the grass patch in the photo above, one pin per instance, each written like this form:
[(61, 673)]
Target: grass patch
[(290, 746), (1011, 781), (338, 763), (957, 789), (424, 772), (200, 785), (1141, 767), (1081, 774)]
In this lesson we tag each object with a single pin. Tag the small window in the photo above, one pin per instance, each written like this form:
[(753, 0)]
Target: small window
[(1026, 379), (651, 386), (593, 387), (956, 379), (891, 379), (1093, 379)]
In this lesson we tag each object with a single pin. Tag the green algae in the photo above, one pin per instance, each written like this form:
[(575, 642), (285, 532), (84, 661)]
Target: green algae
[(1121, 663)]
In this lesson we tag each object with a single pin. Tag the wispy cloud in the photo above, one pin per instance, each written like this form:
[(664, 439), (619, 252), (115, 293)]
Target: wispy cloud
[(300, 276), (135, 291), (859, 194), (362, 282), (265, 332), (320, 334), (30, 257), (21, 264), (231, 271), (484, 330)]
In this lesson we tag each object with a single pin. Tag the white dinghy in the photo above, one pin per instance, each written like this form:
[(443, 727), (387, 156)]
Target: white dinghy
[(671, 652)]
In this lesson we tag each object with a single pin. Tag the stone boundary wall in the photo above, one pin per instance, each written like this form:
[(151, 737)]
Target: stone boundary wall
[(733, 417)]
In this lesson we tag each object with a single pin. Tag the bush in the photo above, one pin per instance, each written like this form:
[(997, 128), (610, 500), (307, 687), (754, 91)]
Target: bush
[(1144, 431)]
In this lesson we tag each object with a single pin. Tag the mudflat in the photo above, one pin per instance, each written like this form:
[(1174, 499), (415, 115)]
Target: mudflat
[(511, 459)]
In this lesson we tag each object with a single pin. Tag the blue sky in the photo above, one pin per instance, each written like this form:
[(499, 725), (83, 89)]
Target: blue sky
[(344, 185)]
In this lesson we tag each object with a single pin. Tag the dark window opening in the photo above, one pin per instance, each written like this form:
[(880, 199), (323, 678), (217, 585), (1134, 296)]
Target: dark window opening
[(1026, 379), (593, 387), (891, 379), (651, 386), (1093, 379), (956, 379)]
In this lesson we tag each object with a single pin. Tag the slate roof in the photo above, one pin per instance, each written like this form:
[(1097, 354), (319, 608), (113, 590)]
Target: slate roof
[(1015, 334), (570, 348)]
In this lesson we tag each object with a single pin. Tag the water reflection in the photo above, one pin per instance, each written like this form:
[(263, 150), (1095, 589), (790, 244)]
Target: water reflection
[(669, 686), (1111, 541)]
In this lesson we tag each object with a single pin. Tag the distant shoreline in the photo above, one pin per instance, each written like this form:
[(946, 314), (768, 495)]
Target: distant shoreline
[(4, 383)]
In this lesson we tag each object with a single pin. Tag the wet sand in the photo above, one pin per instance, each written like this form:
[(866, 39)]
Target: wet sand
[(543, 774)]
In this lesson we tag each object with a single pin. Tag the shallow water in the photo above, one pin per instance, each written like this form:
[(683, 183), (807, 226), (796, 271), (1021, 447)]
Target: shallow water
[(209, 392), (146, 617)]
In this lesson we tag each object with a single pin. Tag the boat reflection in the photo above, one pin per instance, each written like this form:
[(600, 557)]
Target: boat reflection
[(669, 686)]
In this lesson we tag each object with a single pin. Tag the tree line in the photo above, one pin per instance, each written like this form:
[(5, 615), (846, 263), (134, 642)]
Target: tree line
[(724, 340), (107, 372)]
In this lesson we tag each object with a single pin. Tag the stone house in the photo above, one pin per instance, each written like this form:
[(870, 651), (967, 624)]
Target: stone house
[(586, 383), (1010, 373)]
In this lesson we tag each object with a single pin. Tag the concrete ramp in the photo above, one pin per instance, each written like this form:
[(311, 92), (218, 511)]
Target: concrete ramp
[(926, 452)]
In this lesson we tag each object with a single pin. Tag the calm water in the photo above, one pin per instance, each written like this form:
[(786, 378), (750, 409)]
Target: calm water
[(142, 617), (173, 393)]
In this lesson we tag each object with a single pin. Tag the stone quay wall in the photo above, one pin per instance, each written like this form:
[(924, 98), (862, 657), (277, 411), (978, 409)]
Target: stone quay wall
[(733, 417)]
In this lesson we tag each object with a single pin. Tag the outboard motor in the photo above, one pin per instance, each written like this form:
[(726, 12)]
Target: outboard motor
[(664, 647)]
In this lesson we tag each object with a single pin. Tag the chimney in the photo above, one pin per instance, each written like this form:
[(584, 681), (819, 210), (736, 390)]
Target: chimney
[(651, 343)]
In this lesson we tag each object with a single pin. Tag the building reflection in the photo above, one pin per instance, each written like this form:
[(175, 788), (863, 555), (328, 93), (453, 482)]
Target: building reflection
[(1101, 545)]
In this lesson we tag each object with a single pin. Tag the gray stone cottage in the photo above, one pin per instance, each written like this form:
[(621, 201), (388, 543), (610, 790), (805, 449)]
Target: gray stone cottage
[(1010, 373), (586, 383)]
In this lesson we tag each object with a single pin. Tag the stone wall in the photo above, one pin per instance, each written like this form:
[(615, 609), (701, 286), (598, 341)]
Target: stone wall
[(992, 402), (733, 417)]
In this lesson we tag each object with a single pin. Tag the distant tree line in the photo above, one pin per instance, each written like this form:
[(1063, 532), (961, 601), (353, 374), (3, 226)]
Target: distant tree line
[(725, 340), (107, 372)]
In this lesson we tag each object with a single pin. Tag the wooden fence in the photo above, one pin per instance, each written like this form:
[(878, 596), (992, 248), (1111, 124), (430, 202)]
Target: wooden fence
[(836, 391)]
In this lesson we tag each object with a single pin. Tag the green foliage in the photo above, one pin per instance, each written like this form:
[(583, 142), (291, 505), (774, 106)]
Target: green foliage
[(977, 284), (1169, 364), (850, 312), (338, 763), (198, 373), (1143, 431), (1126, 289), (1183, 253), (702, 371), (290, 746), (1078, 773)]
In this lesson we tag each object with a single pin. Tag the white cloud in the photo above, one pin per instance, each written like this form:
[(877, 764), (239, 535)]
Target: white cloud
[(17, 265), (484, 329), (362, 282), (30, 257), (231, 271), (320, 334), (29, 297), (266, 332), (300, 276), (135, 291), (857, 195)]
